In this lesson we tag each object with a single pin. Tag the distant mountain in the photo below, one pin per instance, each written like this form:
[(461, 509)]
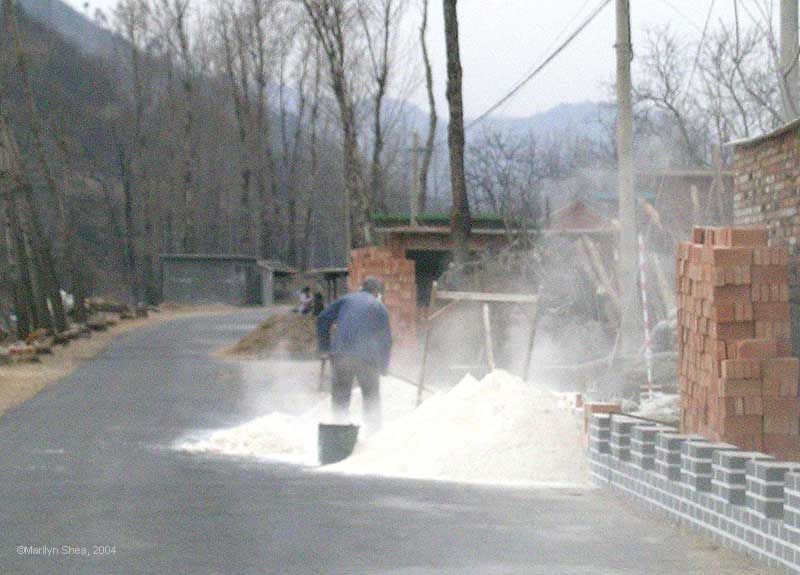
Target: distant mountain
[(76, 28), (588, 117), (94, 39)]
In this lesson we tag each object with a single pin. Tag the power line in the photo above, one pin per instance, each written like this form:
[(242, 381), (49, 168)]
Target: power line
[(517, 87), (699, 49), (541, 66), (565, 28), (680, 13)]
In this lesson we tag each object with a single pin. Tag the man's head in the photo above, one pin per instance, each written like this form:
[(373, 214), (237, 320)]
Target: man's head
[(372, 285)]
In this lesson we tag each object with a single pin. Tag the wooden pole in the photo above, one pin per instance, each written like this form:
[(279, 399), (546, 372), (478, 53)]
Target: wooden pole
[(421, 381), (415, 183), (487, 328), (526, 372)]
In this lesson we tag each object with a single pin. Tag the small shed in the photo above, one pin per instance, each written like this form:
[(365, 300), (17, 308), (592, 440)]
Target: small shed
[(223, 278), (334, 278)]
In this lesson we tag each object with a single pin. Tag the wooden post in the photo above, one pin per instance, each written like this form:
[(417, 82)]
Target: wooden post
[(487, 328), (415, 179), (421, 382), (526, 372), (323, 361)]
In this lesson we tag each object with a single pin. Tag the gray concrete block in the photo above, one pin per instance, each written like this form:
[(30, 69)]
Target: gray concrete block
[(737, 459)]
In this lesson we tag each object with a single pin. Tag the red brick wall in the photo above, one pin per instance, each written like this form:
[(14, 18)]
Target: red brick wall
[(737, 382), (400, 295), (766, 188)]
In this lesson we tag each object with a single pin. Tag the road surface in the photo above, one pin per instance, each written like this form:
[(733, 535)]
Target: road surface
[(86, 466)]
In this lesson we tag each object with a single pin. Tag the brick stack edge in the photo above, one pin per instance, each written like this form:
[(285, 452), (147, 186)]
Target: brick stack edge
[(738, 383), (400, 288)]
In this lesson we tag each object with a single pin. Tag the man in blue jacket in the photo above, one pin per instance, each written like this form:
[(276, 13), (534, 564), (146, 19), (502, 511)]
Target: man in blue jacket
[(360, 349)]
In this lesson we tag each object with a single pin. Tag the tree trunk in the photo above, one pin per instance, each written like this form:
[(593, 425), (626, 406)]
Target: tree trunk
[(422, 198), (124, 164), (189, 151), (461, 221), (328, 19), (46, 253), (27, 316), (241, 106), (356, 207)]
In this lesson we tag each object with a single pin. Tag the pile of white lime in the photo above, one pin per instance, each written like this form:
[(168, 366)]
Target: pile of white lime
[(497, 430)]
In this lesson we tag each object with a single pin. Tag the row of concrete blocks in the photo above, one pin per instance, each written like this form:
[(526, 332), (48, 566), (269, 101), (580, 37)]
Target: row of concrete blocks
[(746, 497)]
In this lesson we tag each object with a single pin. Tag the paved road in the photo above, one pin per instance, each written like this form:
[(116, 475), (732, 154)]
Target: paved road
[(86, 463)]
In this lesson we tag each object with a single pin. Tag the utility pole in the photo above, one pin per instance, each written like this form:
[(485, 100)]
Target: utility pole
[(789, 53), (630, 325), (415, 182)]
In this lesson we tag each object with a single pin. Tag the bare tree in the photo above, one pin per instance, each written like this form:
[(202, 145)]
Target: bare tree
[(175, 16), (333, 22), (692, 98), (379, 21), (427, 157), (37, 248), (45, 252), (229, 29), (291, 144), (313, 188), (461, 222), (131, 22)]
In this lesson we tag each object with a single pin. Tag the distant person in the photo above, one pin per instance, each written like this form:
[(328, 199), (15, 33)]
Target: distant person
[(360, 349), (306, 301), (318, 306)]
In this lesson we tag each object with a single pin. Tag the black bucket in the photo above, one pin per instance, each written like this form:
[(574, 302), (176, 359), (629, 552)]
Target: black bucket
[(336, 442)]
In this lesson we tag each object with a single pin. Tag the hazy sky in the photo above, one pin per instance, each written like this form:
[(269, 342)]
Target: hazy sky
[(503, 40)]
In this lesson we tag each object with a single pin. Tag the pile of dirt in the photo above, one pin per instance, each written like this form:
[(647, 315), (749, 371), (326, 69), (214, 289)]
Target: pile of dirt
[(291, 334)]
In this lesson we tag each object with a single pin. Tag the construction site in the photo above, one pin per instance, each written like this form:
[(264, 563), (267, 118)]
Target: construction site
[(280, 332)]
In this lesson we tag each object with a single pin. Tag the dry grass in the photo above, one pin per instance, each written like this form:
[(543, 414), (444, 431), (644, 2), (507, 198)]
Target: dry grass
[(20, 382), (290, 334)]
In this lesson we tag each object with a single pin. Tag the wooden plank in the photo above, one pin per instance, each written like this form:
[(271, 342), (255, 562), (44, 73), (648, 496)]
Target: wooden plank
[(487, 297), (323, 360), (440, 312), (526, 370), (487, 329), (421, 381), (600, 268)]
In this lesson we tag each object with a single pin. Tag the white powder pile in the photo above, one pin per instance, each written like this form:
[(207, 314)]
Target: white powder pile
[(274, 436), (293, 438), (664, 407), (497, 430)]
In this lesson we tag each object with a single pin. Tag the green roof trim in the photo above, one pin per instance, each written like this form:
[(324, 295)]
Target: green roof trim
[(436, 219)]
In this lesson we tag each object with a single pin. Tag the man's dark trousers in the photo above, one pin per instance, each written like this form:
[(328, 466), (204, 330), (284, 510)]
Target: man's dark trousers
[(345, 370)]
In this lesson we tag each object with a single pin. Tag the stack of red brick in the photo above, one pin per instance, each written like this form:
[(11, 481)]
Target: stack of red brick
[(400, 287), (738, 383)]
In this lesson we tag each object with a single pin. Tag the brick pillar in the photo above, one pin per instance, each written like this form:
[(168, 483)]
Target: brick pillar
[(765, 485), (399, 277), (730, 474)]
